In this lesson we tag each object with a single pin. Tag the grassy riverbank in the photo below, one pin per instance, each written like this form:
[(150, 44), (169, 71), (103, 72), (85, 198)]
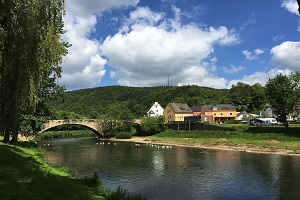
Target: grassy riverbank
[(25, 175), (276, 140)]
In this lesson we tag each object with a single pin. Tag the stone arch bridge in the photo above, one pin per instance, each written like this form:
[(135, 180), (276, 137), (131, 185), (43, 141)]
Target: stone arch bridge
[(92, 124)]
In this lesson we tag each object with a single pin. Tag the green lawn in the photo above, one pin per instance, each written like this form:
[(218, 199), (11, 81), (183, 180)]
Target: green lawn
[(277, 137)]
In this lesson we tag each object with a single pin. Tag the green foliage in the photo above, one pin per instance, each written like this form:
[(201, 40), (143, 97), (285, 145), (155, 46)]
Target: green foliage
[(152, 125), (117, 119), (62, 114), (63, 134), (233, 122), (124, 135), (97, 102), (246, 97), (282, 93), (244, 132), (31, 125), (31, 51), (94, 181), (122, 194)]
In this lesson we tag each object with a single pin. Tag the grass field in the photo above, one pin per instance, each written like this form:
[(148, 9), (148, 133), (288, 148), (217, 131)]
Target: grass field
[(275, 137)]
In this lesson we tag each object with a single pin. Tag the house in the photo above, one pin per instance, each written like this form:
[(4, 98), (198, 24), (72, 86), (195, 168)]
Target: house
[(218, 112), (196, 110), (269, 111), (175, 112), (155, 110)]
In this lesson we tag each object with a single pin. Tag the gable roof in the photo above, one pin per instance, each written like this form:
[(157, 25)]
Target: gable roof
[(180, 108), (196, 108), (219, 107)]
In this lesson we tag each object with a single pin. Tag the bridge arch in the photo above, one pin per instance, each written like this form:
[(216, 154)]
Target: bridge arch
[(91, 124)]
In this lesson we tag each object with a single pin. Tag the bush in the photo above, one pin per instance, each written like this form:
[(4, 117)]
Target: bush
[(232, 121), (124, 135), (152, 125)]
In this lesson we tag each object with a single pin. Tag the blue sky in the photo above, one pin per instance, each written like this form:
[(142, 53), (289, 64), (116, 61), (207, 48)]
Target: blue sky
[(213, 43)]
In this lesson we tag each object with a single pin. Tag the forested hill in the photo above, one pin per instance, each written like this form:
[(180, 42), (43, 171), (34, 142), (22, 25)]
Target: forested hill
[(95, 102)]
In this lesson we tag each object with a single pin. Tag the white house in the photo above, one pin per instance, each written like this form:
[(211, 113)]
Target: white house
[(155, 110)]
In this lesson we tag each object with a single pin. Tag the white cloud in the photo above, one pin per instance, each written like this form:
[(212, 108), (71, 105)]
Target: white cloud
[(291, 6), (286, 55), (233, 69), (259, 77), (253, 55), (146, 54), (197, 75), (251, 20), (83, 66), (278, 37), (83, 8)]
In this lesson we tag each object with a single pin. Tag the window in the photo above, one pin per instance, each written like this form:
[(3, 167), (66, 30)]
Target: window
[(221, 114)]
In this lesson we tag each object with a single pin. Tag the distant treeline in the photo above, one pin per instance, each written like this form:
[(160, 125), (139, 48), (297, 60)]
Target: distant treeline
[(95, 102)]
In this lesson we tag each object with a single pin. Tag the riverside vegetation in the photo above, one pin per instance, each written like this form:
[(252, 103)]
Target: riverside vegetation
[(275, 138), (25, 175)]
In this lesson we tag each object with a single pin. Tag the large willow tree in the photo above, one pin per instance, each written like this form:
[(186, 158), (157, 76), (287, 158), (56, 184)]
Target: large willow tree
[(30, 52)]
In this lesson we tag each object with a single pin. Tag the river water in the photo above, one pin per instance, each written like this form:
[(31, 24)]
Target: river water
[(178, 173)]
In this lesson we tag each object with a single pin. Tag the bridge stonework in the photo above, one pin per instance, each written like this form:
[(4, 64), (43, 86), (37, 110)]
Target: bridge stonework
[(92, 124)]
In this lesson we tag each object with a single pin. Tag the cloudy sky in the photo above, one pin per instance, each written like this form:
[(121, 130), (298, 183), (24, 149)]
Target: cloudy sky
[(211, 43)]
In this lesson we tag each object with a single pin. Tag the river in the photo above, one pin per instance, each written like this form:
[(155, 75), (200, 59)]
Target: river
[(163, 172)]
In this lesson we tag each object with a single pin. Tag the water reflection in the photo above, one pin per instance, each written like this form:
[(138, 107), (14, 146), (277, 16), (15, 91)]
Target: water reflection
[(179, 172)]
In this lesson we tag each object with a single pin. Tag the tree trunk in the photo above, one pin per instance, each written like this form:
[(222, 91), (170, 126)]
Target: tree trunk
[(6, 137), (14, 136)]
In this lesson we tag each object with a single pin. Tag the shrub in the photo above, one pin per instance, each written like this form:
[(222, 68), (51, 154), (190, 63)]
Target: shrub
[(232, 122), (124, 135), (152, 125)]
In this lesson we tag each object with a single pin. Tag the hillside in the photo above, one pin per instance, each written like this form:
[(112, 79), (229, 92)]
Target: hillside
[(97, 101)]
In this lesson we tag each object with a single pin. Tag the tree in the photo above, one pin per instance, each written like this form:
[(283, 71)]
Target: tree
[(258, 98), (30, 52), (118, 119), (282, 93), (30, 125), (153, 125), (241, 94)]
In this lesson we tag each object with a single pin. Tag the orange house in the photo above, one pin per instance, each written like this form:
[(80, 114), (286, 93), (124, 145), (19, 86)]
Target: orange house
[(175, 112), (218, 112)]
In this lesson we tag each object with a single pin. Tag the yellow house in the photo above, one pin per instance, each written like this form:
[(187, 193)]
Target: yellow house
[(175, 112), (218, 112)]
